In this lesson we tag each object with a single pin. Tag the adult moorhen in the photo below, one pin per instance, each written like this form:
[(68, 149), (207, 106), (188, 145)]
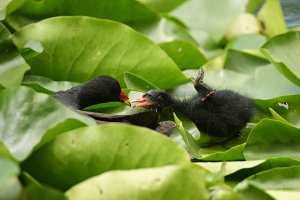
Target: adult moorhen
[(98, 90)]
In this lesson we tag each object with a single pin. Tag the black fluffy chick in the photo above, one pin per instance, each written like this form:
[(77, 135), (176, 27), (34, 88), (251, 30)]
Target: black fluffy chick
[(215, 112), (98, 90)]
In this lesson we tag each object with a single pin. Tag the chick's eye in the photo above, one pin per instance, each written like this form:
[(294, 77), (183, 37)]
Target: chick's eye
[(146, 95)]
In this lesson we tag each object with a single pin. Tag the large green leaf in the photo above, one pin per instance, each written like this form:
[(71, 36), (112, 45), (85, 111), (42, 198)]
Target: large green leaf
[(237, 172), (10, 186), (79, 154), (170, 182), (35, 192), (12, 64), (281, 178), (282, 52), (250, 191), (272, 138), (123, 11), (86, 47), (259, 84), (287, 107), (29, 119), (8, 6), (271, 18), (243, 62), (166, 29), (209, 20), (134, 82), (163, 5), (186, 55), (46, 85), (249, 41)]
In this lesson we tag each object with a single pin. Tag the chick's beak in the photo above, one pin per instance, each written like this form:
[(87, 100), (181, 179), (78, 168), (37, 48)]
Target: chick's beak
[(143, 102), (124, 99)]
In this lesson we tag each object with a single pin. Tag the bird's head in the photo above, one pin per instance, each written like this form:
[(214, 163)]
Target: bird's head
[(154, 100), (100, 90)]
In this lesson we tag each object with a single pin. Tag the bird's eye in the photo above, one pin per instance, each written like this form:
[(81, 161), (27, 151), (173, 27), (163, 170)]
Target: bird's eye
[(147, 95)]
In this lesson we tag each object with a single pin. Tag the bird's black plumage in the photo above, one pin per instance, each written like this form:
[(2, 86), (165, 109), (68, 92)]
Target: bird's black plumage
[(216, 112), (98, 90)]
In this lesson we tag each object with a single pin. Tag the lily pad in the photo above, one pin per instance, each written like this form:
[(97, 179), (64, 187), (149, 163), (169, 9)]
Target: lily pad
[(134, 82), (282, 51), (8, 6), (170, 182), (272, 138), (162, 6), (208, 28), (246, 169), (10, 186), (46, 85), (82, 153), (286, 106), (12, 64), (124, 11), (92, 47), (259, 85), (281, 178), (30, 119), (184, 54), (165, 29)]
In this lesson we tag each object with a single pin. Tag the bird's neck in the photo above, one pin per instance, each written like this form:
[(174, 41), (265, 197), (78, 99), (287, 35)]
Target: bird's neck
[(179, 105)]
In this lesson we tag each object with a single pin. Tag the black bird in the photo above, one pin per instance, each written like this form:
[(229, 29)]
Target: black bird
[(215, 112), (98, 90)]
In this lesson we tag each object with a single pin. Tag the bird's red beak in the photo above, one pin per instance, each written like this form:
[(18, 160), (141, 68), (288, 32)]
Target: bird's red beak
[(124, 99), (143, 102)]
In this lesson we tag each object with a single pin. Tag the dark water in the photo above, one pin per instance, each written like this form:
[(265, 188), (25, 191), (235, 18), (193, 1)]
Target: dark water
[(291, 11)]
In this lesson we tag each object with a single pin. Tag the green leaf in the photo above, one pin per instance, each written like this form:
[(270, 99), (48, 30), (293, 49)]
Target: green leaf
[(29, 119), (282, 52), (237, 172), (12, 64), (162, 6), (250, 191), (272, 138), (259, 85), (98, 47), (189, 140), (170, 182), (205, 26), (281, 178), (277, 116), (243, 62), (8, 6), (224, 192), (79, 154), (123, 11), (135, 82), (284, 194), (35, 192), (184, 54), (254, 5), (286, 106), (249, 41), (10, 186), (166, 29), (271, 18), (46, 85)]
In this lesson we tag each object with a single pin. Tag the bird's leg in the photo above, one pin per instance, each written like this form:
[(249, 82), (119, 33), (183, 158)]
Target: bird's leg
[(204, 90)]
